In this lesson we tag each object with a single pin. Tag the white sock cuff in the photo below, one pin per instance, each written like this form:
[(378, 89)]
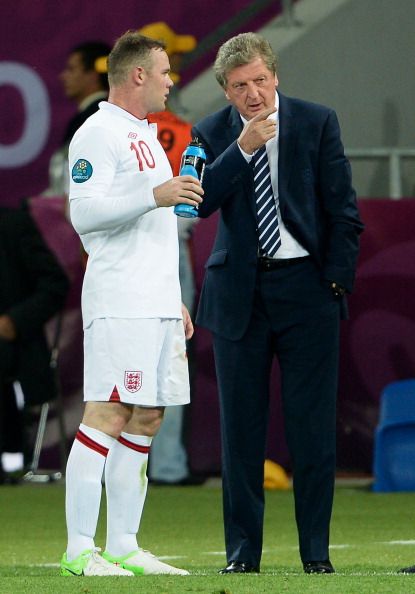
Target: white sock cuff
[(139, 440), (96, 435), (144, 440)]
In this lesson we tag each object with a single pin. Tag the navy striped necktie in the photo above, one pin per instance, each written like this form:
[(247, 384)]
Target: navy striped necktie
[(269, 238)]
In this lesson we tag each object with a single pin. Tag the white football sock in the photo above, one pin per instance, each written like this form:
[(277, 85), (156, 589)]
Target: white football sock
[(84, 487), (126, 488)]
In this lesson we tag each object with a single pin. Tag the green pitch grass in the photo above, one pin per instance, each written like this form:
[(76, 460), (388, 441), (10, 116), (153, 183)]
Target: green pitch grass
[(372, 536)]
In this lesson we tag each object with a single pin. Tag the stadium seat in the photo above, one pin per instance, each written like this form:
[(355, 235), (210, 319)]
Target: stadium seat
[(394, 447)]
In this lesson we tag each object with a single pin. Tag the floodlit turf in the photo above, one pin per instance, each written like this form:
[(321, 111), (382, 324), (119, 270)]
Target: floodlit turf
[(373, 535)]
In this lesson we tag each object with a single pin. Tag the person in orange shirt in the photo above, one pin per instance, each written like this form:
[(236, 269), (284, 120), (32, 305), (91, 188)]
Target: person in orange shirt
[(174, 135), (168, 461)]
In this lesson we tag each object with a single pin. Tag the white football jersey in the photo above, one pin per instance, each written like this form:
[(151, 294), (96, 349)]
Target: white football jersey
[(115, 161)]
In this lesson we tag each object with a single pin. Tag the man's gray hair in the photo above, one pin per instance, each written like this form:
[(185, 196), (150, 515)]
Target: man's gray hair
[(241, 50)]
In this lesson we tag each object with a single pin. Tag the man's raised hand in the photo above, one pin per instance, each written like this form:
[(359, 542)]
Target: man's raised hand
[(257, 131)]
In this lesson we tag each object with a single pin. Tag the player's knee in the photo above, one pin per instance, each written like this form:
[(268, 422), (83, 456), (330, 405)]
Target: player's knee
[(146, 421), (110, 418)]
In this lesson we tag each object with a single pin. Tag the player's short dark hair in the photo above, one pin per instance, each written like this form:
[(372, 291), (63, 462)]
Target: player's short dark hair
[(131, 49)]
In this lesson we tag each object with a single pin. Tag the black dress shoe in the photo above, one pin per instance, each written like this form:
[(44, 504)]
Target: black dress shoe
[(237, 567), (318, 567), (407, 569)]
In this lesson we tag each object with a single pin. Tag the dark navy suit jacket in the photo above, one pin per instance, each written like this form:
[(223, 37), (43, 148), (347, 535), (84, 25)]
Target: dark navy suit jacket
[(317, 205)]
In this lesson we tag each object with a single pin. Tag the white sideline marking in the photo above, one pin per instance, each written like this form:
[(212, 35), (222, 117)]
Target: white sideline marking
[(399, 542), (265, 551), (44, 565)]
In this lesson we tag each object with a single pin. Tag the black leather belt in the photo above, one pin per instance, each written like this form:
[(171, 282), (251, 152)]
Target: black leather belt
[(273, 263)]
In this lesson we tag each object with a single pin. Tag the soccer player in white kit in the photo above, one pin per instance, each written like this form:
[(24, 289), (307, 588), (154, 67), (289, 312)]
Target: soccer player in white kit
[(121, 203)]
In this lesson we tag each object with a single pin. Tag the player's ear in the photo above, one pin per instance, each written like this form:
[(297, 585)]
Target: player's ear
[(138, 74)]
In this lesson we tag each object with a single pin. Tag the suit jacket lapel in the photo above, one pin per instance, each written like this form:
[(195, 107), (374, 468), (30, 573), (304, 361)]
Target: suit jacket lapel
[(234, 129), (234, 125), (287, 142)]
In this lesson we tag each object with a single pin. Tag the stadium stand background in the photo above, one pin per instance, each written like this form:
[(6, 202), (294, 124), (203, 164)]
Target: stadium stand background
[(354, 55)]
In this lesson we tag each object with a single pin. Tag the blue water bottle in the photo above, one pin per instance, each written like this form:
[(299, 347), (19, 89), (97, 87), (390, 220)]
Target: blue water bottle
[(193, 163)]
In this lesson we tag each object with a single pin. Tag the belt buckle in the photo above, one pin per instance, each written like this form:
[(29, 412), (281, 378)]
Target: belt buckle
[(267, 263)]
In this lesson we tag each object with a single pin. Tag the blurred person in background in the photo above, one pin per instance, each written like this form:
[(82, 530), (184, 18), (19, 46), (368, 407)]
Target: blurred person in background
[(33, 288), (85, 82), (169, 460)]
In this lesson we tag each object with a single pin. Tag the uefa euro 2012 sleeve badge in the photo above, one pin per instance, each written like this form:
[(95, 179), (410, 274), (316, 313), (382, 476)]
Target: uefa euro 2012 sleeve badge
[(81, 171)]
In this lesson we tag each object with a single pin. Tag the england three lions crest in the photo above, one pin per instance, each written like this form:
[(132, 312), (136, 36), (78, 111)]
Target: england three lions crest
[(133, 380)]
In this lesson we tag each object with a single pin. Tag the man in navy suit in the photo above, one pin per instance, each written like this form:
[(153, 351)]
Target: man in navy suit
[(285, 301)]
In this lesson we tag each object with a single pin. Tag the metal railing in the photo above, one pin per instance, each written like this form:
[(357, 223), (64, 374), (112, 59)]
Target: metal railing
[(394, 157), (226, 29)]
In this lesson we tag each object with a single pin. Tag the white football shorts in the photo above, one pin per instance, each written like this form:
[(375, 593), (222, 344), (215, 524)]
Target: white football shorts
[(136, 361)]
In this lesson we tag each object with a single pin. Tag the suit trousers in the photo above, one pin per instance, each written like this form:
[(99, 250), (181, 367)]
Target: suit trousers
[(295, 317)]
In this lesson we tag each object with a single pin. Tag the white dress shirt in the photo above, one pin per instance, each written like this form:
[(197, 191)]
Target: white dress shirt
[(290, 248)]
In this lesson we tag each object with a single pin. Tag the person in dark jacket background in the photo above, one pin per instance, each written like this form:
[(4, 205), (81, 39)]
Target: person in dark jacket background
[(33, 288), (85, 82)]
